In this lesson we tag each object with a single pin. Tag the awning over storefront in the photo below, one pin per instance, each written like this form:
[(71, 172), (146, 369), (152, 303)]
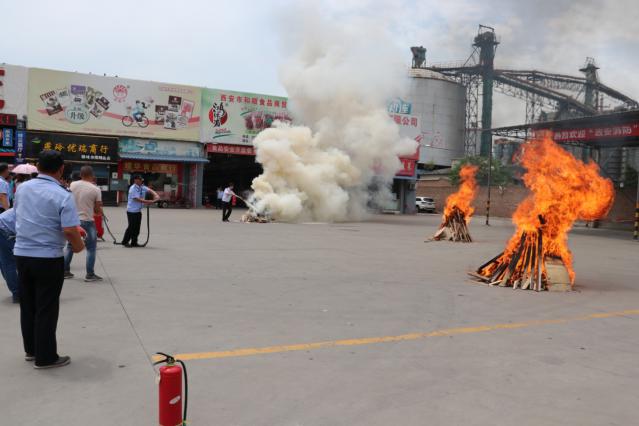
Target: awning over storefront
[(166, 158)]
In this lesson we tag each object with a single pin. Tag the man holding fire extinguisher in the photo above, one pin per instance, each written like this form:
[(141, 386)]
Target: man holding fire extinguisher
[(137, 199), (227, 202)]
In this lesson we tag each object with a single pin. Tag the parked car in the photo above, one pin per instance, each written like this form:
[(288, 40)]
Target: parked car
[(425, 204)]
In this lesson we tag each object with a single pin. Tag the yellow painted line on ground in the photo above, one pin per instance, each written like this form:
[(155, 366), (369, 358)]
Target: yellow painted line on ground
[(403, 337)]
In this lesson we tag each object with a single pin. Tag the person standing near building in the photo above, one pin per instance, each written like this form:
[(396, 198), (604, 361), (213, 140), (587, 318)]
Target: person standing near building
[(137, 199), (7, 259), (88, 201), (220, 194), (4, 187), (46, 218), (227, 207)]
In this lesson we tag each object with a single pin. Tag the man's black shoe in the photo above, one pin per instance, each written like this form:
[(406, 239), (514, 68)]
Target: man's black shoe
[(60, 362), (126, 244), (135, 245)]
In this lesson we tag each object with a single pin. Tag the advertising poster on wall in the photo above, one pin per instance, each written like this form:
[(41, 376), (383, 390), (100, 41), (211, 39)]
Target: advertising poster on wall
[(73, 102), (236, 117)]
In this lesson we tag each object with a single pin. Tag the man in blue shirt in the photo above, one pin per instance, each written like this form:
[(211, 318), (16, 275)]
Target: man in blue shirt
[(7, 260), (46, 218), (4, 187), (137, 199)]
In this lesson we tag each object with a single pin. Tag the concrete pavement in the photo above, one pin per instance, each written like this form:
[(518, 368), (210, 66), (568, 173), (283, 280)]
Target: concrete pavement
[(203, 286)]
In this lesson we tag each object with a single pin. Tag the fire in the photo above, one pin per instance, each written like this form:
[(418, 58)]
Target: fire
[(463, 198), (458, 209), (564, 190)]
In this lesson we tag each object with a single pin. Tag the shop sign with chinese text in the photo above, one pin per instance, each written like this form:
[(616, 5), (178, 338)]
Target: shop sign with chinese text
[(133, 166), (236, 117), (73, 147), (153, 147), (230, 149)]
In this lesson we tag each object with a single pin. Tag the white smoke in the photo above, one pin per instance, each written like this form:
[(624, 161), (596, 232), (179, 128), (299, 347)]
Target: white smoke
[(339, 79)]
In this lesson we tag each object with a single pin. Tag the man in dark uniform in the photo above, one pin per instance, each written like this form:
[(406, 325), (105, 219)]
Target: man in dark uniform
[(137, 198)]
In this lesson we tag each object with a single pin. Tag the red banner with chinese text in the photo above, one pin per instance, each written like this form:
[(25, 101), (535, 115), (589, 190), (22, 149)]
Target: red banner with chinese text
[(147, 167), (221, 148), (592, 133)]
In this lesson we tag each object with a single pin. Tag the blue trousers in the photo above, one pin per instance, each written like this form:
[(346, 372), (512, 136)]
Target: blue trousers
[(8, 262), (90, 243)]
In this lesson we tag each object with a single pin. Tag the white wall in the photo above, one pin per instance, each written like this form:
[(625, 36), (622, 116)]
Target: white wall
[(14, 90)]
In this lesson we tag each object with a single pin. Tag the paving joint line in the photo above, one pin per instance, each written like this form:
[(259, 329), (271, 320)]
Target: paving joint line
[(126, 313)]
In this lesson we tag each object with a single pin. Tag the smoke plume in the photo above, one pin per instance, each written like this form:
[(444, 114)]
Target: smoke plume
[(339, 77)]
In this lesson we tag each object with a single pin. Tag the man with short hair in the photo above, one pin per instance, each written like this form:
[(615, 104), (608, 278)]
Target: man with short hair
[(227, 206), (137, 199), (4, 187), (88, 201), (46, 218)]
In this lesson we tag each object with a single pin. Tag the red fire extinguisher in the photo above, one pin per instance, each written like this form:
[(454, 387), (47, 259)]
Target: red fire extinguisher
[(170, 383)]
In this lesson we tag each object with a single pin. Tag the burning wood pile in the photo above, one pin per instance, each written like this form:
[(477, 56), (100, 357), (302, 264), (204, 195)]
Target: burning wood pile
[(523, 269), (459, 210), (563, 190), (252, 217)]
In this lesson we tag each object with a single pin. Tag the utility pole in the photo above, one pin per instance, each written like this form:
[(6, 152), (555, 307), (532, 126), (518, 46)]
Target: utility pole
[(636, 235), (487, 43)]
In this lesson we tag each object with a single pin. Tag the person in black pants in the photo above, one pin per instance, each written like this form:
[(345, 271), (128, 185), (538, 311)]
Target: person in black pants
[(227, 205), (46, 218), (137, 199)]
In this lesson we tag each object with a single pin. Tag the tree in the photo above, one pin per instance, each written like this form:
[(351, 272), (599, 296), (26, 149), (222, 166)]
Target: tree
[(501, 175)]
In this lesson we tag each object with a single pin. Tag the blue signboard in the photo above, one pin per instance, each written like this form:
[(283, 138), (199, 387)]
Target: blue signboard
[(399, 106), (21, 138), (7, 138)]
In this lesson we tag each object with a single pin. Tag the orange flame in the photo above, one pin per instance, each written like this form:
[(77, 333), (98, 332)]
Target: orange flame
[(564, 189), (463, 198)]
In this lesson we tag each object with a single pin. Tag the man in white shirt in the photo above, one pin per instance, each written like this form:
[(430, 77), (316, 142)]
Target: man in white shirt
[(227, 205), (88, 201)]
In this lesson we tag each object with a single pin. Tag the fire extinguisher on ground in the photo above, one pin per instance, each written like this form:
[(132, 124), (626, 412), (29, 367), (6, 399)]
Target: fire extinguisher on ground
[(170, 391)]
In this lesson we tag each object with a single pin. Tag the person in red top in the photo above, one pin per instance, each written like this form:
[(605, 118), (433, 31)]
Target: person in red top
[(97, 219)]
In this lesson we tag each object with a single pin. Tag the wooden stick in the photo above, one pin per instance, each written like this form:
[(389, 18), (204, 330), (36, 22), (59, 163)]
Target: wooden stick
[(514, 260), (490, 261), (539, 258)]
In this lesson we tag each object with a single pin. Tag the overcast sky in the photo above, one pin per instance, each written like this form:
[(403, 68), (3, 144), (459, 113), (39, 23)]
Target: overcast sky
[(236, 45)]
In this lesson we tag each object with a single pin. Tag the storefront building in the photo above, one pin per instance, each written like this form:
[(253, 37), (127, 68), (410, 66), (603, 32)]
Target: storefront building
[(13, 110), (9, 127), (100, 152), (404, 184), (172, 168), (156, 127)]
